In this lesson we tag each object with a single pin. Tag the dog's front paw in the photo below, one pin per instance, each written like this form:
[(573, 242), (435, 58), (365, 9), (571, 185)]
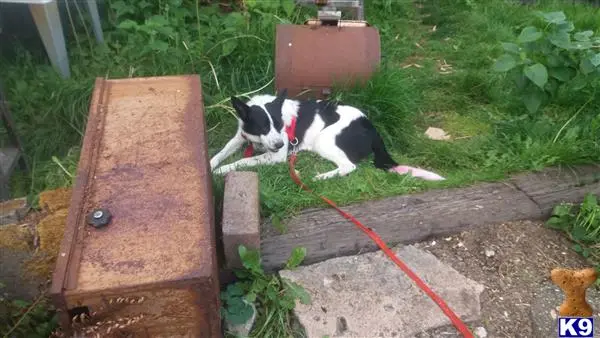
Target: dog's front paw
[(213, 164), (324, 176), (223, 169)]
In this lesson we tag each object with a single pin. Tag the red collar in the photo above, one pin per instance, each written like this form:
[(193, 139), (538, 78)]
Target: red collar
[(289, 130)]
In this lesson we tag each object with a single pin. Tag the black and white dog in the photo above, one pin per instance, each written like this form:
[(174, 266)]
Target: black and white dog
[(339, 133)]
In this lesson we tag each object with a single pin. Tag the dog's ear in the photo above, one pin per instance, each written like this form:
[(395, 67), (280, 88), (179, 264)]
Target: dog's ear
[(281, 96), (240, 107)]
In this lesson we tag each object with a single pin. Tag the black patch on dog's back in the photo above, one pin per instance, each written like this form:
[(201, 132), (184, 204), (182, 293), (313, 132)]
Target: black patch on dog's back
[(257, 123), (307, 111), (359, 139)]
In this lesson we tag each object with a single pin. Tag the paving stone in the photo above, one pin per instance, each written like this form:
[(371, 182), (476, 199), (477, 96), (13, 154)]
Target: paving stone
[(369, 296), (13, 211), (544, 309), (241, 215)]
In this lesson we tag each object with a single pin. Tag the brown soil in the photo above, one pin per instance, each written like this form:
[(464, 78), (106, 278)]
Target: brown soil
[(510, 260)]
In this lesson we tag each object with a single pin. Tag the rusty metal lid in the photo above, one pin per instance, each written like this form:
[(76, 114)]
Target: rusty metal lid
[(314, 57), (144, 159)]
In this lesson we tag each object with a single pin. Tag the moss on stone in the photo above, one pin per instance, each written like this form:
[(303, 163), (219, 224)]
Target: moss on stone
[(54, 200), (16, 237)]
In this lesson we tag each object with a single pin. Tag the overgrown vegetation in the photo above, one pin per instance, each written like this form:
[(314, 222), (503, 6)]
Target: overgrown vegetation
[(275, 297), (582, 224), (550, 56), (437, 60), (31, 319)]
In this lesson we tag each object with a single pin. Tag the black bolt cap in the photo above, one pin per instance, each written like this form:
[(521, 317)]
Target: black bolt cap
[(99, 218)]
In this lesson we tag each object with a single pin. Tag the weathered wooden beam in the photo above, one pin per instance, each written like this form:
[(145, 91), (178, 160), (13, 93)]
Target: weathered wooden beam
[(411, 218)]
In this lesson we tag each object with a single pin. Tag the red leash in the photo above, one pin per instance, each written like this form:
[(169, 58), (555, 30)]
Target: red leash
[(460, 326)]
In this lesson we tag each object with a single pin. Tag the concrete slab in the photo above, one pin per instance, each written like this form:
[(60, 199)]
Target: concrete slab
[(369, 296), (544, 309)]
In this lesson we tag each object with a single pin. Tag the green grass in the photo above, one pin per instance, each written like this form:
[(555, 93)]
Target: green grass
[(233, 54)]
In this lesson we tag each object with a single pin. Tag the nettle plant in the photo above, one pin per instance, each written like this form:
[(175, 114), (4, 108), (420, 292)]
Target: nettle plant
[(549, 57)]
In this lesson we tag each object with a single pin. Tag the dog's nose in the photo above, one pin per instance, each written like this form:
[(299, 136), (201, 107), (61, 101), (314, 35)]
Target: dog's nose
[(279, 145)]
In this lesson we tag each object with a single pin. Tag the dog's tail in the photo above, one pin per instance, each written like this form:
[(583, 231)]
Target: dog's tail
[(383, 160)]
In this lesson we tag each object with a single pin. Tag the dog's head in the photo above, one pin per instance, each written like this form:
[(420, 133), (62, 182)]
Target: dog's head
[(261, 119)]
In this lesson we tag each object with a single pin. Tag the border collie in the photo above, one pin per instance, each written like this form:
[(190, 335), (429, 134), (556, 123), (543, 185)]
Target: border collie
[(339, 133)]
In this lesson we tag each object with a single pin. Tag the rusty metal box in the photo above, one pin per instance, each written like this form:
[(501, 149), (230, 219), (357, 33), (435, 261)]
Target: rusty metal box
[(310, 59), (152, 270)]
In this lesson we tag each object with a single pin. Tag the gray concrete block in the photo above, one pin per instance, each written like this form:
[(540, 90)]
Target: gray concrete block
[(369, 296), (241, 215)]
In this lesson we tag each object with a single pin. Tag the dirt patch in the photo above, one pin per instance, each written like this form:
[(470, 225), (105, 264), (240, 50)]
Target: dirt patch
[(512, 260)]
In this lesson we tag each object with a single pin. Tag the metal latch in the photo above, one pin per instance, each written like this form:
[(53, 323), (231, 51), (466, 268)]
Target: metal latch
[(328, 13)]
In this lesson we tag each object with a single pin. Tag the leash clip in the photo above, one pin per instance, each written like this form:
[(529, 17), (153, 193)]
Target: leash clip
[(294, 144)]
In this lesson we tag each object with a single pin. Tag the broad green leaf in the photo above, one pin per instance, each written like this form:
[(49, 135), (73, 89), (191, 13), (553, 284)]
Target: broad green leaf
[(157, 20), (241, 315), (586, 66), (529, 34), (298, 291), (554, 17), (278, 224), (583, 36), (517, 76), (251, 297), (504, 63), (533, 100), (551, 86), (595, 60), (165, 30), (511, 48), (128, 24), (251, 3), (579, 233), (159, 45), (579, 82), (590, 202), (562, 210), (557, 223), (582, 45), (560, 39), (228, 47), (565, 27), (288, 6), (296, 257), (586, 252), (234, 290), (537, 74), (250, 259), (563, 74)]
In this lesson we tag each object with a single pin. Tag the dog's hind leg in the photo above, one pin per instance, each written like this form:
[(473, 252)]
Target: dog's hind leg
[(336, 155), (234, 144)]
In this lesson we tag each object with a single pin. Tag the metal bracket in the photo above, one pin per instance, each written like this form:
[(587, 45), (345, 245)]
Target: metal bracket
[(328, 11)]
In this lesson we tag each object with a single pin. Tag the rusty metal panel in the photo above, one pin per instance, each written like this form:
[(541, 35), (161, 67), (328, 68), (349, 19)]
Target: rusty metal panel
[(314, 57), (144, 158)]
